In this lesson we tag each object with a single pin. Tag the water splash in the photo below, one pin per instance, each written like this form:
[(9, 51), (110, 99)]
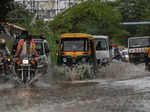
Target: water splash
[(121, 70), (77, 72)]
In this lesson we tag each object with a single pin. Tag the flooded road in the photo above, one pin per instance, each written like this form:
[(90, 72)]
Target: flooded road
[(120, 87)]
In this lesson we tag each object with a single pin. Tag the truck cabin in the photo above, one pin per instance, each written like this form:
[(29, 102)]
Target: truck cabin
[(136, 46), (103, 49)]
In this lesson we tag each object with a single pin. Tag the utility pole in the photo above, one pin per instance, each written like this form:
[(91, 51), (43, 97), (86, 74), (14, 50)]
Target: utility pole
[(69, 3), (57, 8)]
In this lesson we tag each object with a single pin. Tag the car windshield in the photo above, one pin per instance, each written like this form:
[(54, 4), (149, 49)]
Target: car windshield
[(101, 44), (139, 42), (74, 44), (39, 47)]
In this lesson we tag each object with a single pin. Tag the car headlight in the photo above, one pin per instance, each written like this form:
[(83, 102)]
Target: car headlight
[(25, 61), (126, 56), (64, 60)]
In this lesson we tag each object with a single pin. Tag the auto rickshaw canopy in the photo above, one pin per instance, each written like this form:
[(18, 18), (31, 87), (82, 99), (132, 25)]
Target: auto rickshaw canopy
[(76, 35)]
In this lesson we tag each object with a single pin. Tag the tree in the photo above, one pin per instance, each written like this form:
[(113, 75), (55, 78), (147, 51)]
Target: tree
[(134, 10), (19, 15), (5, 7), (93, 17)]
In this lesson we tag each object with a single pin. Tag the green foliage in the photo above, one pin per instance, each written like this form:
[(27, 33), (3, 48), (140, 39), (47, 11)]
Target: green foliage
[(51, 38), (5, 7), (19, 15), (136, 11), (143, 30), (129, 10), (93, 17)]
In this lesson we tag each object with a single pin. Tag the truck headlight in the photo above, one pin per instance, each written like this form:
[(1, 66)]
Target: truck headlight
[(25, 61)]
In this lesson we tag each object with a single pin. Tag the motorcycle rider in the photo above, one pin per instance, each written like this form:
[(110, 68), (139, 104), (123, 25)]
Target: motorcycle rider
[(25, 48), (4, 53), (15, 42), (3, 48), (147, 57)]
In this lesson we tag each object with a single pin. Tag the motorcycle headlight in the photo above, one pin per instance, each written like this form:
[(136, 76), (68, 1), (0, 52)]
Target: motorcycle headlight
[(8, 59), (64, 60), (25, 61), (105, 60)]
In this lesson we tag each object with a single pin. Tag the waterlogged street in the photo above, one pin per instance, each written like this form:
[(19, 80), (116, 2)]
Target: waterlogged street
[(120, 87)]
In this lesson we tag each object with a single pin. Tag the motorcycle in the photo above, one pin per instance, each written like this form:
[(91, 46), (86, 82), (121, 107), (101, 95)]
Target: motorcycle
[(26, 70), (147, 66)]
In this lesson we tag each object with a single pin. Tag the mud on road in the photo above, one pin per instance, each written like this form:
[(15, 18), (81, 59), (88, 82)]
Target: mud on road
[(122, 87)]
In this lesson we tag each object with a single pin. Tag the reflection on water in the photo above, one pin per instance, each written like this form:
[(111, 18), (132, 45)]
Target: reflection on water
[(23, 97), (78, 84)]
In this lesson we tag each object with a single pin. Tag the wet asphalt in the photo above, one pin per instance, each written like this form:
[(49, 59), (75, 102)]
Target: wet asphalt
[(120, 87)]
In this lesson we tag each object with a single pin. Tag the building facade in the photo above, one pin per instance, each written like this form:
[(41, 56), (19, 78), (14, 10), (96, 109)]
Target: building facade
[(47, 9)]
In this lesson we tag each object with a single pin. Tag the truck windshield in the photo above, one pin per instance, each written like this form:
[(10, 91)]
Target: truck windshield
[(139, 42), (101, 44), (74, 44)]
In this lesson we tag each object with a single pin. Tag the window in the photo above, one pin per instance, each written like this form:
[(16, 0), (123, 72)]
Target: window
[(74, 44), (139, 42), (101, 44)]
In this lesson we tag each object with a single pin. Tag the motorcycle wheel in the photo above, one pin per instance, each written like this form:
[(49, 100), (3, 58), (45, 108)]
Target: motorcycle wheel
[(25, 75)]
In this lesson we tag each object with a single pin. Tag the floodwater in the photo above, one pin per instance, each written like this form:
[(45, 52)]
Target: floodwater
[(120, 87)]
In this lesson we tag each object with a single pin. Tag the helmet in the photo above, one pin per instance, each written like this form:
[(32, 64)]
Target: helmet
[(2, 43), (29, 37), (24, 34)]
